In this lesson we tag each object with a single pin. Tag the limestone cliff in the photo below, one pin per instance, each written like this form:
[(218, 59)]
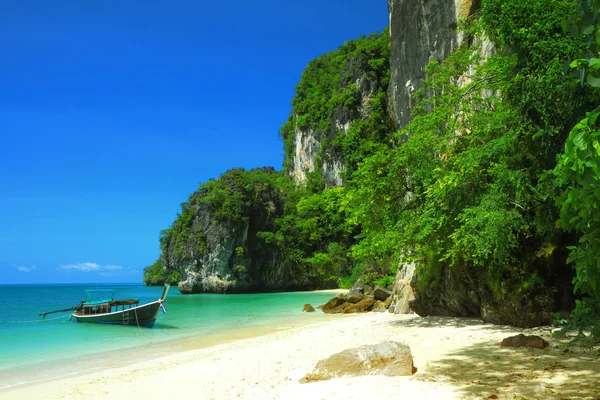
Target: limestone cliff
[(420, 31), (215, 242), (336, 92)]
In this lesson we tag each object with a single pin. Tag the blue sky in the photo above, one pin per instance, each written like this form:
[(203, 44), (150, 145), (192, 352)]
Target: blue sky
[(113, 112)]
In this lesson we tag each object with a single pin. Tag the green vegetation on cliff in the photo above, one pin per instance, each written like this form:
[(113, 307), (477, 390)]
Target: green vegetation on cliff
[(350, 85), (157, 274)]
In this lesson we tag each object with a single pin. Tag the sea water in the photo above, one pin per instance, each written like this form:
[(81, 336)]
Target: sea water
[(33, 349)]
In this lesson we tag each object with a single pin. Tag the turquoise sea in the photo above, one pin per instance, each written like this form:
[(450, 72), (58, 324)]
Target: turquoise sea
[(33, 349)]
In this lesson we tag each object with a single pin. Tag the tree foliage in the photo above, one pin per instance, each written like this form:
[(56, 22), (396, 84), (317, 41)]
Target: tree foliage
[(578, 173)]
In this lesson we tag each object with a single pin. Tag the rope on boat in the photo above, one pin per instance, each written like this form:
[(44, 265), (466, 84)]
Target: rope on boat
[(136, 318), (33, 320)]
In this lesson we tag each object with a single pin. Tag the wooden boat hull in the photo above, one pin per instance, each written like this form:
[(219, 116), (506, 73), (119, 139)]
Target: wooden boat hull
[(144, 316)]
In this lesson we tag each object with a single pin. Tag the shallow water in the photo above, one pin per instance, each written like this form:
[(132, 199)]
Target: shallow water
[(33, 349)]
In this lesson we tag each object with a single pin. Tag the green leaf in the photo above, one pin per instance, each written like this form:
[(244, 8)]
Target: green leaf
[(574, 31), (576, 63), (593, 79)]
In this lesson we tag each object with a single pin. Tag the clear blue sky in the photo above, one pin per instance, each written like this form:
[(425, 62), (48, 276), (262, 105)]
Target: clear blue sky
[(113, 112)]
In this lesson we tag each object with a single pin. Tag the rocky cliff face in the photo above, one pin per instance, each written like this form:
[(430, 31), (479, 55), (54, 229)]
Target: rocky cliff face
[(311, 150), (215, 242), (307, 150), (420, 31), (349, 83)]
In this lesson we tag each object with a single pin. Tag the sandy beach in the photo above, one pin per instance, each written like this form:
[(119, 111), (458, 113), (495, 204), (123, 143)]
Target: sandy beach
[(455, 359)]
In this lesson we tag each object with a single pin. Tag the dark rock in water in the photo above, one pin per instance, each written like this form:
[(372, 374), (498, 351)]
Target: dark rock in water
[(381, 293), (521, 340), (387, 358), (308, 308)]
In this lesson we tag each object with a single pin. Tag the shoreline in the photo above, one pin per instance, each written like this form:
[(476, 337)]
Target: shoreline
[(456, 358), (75, 367), (34, 373)]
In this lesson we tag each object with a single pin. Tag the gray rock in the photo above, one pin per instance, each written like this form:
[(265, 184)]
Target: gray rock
[(354, 297), (223, 255), (358, 287), (456, 292), (387, 358), (381, 294), (402, 292), (522, 340), (420, 31), (452, 293)]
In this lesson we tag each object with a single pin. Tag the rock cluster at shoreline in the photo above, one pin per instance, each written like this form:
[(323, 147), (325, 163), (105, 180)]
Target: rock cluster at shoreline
[(361, 298)]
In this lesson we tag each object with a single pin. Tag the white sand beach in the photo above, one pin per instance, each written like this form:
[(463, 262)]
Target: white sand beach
[(455, 359)]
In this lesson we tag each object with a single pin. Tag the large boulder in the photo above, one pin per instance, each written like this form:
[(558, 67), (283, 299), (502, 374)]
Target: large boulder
[(387, 358), (381, 294), (354, 297), (364, 305), (333, 303), (360, 287)]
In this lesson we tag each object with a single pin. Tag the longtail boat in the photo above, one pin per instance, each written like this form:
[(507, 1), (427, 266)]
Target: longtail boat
[(117, 312)]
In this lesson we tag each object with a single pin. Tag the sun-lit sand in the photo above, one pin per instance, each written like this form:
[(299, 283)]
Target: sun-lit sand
[(455, 359)]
